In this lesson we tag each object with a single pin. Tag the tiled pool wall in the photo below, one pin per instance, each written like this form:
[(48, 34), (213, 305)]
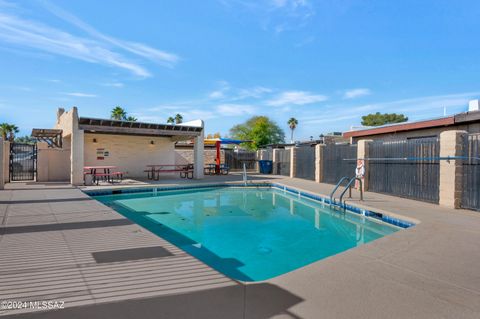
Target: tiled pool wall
[(361, 211)]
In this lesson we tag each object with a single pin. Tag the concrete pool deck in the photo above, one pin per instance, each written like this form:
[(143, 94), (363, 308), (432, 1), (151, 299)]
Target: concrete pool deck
[(51, 235)]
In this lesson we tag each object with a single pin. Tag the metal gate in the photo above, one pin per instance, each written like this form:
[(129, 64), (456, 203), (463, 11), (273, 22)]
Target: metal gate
[(471, 173), (337, 162), (305, 162), (235, 159), (405, 168), (23, 162), (283, 162)]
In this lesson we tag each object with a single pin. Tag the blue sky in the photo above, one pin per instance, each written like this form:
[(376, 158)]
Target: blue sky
[(326, 63)]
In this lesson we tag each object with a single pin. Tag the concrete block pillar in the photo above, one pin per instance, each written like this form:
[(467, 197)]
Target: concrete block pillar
[(362, 154), (77, 157), (199, 155), (259, 156), (275, 160), (293, 162), (319, 148), (77, 141), (451, 174), (6, 161), (2, 181)]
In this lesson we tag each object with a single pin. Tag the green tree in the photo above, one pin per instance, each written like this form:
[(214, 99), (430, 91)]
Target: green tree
[(377, 119), (260, 130), (4, 130), (292, 123), (178, 118), (170, 120), (212, 136), (25, 139), (118, 113), (8, 131), (13, 130)]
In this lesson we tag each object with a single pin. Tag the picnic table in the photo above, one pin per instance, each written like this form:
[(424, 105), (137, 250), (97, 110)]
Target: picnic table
[(107, 173), (216, 169), (154, 170)]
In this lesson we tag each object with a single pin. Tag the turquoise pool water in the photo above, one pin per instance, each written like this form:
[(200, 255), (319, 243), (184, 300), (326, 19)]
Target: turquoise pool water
[(249, 234)]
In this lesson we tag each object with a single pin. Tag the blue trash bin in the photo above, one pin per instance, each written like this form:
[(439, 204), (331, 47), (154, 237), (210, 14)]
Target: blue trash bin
[(265, 166)]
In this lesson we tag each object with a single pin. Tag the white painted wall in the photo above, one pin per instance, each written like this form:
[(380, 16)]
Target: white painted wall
[(129, 153), (53, 164)]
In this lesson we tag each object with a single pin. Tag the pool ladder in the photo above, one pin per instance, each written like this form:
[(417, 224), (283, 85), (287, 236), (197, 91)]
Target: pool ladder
[(350, 182), (244, 175)]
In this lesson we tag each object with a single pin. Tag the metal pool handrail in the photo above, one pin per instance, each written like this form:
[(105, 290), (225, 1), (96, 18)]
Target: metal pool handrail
[(244, 175), (337, 186), (349, 187)]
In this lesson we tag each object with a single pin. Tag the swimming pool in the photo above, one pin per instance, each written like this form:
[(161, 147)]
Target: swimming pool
[(251, 233)]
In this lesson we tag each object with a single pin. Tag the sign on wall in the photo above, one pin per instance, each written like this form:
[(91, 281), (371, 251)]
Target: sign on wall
[(102, 153)]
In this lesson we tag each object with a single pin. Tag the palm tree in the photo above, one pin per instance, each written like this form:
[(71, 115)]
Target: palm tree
[(170, 120), (4, 130), (131, 118), (178, 118), (13, 130), (8, 130), (292, 123), (118, 113)]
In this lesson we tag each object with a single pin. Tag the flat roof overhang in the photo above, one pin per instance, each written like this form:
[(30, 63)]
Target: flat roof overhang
[(472, 116), (107, 126), (446, 121), (45, 132)]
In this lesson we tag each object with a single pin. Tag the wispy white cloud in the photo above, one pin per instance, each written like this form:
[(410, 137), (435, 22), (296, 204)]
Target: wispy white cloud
[(226, 93), (80, 94), (27, 33), (190, 110), (254, 92), (140, 49), (217, 94), (296, 98), (289, 3), (7, 4), (415, 108), (97, 49), (337, 113), (114, 84), (220, 92), (188, 114), (202, 108), (276, 15), (305, 41), (434, 104), (18, 87), (354, 93), (167, 108), (235, 109)]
